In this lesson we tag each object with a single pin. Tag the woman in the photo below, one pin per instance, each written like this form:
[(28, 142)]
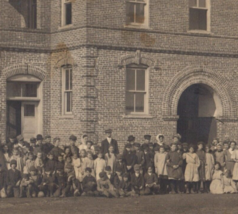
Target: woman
[(228, 153)]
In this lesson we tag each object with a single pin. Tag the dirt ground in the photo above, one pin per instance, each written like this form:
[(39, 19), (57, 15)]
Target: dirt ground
[(202, 203)]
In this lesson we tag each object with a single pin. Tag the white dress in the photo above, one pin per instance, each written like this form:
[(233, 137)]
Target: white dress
[(234, 156), (191, 171), (209, 166), (160, 164), (99, 166), (77, 168)]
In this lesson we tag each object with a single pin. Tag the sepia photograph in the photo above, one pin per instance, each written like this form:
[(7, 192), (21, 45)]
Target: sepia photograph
[(118, 106)]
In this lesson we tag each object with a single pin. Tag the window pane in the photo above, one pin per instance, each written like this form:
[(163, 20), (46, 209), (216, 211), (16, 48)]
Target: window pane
[(68, 100), (129, 102), (192, 3), (202, 3), (31, 22), (71, 80), (68, 13), (140, 13), (130, 12), (130, 79), (29, 90), (139, 102), (29, 110), (198, 19), (14, 89), (140, 80), (66, 79)]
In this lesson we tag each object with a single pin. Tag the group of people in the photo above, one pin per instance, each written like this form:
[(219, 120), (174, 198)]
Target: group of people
[(46, 168)]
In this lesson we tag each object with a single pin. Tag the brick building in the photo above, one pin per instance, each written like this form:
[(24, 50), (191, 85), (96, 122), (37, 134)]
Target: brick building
[(136, 66)]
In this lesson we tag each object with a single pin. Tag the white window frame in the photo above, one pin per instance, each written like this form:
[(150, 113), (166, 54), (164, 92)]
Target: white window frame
[(63, 12), (146, 14), (208, 8), (65, 91), (146, 91)]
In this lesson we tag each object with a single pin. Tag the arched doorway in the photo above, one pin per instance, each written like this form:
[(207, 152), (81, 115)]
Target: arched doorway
[(198, 108)]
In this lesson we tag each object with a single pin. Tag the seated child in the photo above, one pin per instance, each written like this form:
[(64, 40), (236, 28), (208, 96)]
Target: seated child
[(137, 181), (216, 186), (48, 184), (24, 185), (104, 186), (13, 180), (120, 164), (229, 184), (89, 184), (3, 182), (61, 182), (35, 181), (117, 182), (110, 174), (125, 185), (151, 181), (50, 163)]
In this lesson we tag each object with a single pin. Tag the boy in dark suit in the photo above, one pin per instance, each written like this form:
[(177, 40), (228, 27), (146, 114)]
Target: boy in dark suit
[(13, 180)]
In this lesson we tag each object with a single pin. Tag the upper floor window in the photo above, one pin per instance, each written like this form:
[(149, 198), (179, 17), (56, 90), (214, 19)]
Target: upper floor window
[(136, 90), (137, 12), (199, 15), (66, 12), (67, 89), (32, 14)]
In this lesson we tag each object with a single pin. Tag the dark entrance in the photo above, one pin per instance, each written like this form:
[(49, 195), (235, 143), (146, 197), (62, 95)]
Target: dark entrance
[(197, 109)]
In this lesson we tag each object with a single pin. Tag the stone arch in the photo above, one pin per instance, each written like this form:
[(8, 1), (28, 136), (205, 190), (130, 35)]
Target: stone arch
[(24, 69), (190, 76)]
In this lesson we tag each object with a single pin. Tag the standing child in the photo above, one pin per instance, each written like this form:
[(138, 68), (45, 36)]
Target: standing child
[(99, 165), (77, 167), (30, 162), (228, 153), (209, 169), (89, 163), (174, 168), (130, 158), (216, 186), (39, 164), (151, 182), (149, 159), (13, 180), (139, 155), (201, 170), (228, 184), (234, 157), (89, 146), (110, 158), (220, 156), (191, 171), (16, 156), (160, 161), (50, 163)]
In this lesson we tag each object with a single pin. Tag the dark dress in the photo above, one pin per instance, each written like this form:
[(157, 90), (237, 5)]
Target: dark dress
[(175, 158), (105, 146), (201, 170)]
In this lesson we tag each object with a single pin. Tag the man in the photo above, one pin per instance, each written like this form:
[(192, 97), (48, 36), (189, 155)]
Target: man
[(109, 141)]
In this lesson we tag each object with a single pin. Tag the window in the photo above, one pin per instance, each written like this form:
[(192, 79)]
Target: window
[(137, 12), (32, 14), (22, 89), (66, 12), (67, 90), (198, 15), (136, 90), (29, 110)]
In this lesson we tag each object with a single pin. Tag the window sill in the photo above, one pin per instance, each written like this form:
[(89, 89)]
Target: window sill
[(199, 32), (137, 116), (65, 27), (135, 26), (70, 116)]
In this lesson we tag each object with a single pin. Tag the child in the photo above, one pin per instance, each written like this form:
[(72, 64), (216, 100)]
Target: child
[(201, 170), (228, 183), (149, 159), (30, 162), (57, 150), (146, 143), (228, 153), (67, 153), (60, 163), (13, 180), (130, 158), (83, 157), (215, 142), (174, 168), (226, 145), (110, 174), (35, 181), (160, 161), (89, 146), (191, 171), (104, 186), (48, 184), (3, 182), (234, 157), (16, 156), (209, 169), (139, 155), (7, 157), (220, 156), (24, 185), (110, 158), (99, 165), (117, 182), (61, 181), (125, 185), (77, 167), (89, 163), (216, 186), (50, 163), (151, 181), (120, 165), (137, 181), (89, 184), (39, 164)]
